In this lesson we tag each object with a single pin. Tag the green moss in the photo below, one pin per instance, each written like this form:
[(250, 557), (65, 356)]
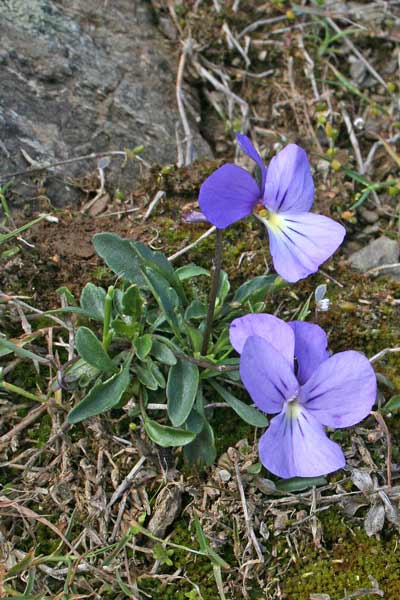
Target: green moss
[(229, 429), (345, 563), (196, 568), (41, 431)]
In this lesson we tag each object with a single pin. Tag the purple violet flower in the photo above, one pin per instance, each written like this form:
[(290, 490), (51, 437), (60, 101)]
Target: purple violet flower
[(324, 391), (300, 241)]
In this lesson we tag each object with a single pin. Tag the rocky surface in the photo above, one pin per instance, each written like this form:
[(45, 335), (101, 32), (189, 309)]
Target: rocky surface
[(82, 76), (379, 252)]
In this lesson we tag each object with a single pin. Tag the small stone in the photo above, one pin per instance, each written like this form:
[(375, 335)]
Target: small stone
[(382, 251), (224, 475), (369, 216)]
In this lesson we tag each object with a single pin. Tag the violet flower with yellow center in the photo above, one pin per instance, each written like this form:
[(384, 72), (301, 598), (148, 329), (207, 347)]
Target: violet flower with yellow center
[(300, 241), (287, 370)]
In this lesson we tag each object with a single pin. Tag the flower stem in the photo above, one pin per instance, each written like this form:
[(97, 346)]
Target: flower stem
[(107, 318), (213, 292)]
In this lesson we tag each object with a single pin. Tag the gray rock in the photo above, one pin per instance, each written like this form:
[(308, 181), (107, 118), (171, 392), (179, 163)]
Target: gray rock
[(370, 216), (382, 251), (83, 76)]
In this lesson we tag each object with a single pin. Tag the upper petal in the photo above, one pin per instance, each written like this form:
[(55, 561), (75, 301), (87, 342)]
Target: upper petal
[(342, 391), (289, 185), (299, 447), (310, 348), (300, 243), (267, 375), (274, 330), (228, 195), (249, 149)]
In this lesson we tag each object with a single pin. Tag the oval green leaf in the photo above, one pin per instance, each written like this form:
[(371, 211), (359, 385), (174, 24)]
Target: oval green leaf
[(91, 350), (102, 396), (183, 381), (167, 436)]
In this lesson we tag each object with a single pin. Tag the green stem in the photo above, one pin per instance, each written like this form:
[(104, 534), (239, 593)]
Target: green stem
[(107, 318), (213, 292), (20, 391)]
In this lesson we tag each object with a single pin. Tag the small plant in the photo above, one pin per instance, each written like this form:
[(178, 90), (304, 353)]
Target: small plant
[(154, 343)]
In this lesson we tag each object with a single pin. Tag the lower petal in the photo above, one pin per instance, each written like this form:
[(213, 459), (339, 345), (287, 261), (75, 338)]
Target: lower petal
[(228, 195), (300, 243), (299, 447)]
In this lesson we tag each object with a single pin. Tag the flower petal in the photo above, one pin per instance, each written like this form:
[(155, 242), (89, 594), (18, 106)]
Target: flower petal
[(194, 216), (298, 447), (299, 243), (310, 348), (248, 148), (228, 195), (270, 328), (342, 391), (289, 185), (267, 375)]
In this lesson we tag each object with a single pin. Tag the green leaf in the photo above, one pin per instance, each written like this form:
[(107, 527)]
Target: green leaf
[(166, 436), (223, 289), (162, 353), (4, 237), (102, 396), (206, 548), (92, 301), (68, 295), (196, 337), (298, 484), (146, 376), (254, 469), (132, 302), (6, 347), (125, 328), (157, 373), (166, 297), (120, 256), (158, 263), (392, 405), (249, 414), (257, 288), (195, 421), (91, 350), (201, 452), (79, 372), (142, 345), (183, 381), (196, 310), (189, 271)]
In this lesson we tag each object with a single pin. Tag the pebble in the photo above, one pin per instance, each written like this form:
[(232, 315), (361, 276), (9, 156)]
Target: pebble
[(369, 216), (381, 251)]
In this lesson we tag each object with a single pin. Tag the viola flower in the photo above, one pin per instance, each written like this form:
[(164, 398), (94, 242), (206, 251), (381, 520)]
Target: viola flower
[(321, 391), (300, 241)]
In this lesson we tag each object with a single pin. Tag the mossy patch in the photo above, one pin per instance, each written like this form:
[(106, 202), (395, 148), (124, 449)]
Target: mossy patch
[(345, 563)]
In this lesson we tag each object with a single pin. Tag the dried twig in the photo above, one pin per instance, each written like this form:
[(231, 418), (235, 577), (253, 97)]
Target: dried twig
[(160, 194), (187, 49), (193, 244), (353, 138), (30, 418), (126, 482), (381, 421), (250, 531), (382, 353), (354, 49)]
